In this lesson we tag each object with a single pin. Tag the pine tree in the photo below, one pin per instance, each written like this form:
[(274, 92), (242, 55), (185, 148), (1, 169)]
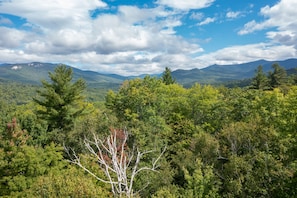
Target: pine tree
[(260, 80), (167, 77), (61, 99), (278, 77)]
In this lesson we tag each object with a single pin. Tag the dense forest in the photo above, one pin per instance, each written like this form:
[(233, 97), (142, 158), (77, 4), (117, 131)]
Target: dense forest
[(152, 137)]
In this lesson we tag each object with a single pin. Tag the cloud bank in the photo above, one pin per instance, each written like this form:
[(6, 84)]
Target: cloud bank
[(130, 40)]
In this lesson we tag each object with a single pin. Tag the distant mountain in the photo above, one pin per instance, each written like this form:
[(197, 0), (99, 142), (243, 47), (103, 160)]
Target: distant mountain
[(215, 74), (33, 73)]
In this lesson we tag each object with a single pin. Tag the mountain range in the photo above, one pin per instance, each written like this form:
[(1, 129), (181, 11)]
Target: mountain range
[(220, 74), (33, 73)]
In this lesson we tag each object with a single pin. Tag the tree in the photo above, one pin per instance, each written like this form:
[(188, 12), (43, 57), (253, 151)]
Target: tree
[(256, 162), (67, 182), (61, 99), (202, 182), (167, 77), (260, 81), (203, 99), (21, 164), (278, 77), (134, 98), (119, 164)]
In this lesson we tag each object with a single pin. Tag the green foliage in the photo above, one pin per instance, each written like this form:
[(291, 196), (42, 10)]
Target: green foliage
[(69, 183), (167, 77), (278, 77), (61, 100), (288, 119), (21, 164), (138, 106), (167, 192), (260, 81), (16, 93), (221, 142), (29, 121), (6, 110), (134, 98), (154, 181), (256, 165), (202, 100), (31, 171), (201, 183)]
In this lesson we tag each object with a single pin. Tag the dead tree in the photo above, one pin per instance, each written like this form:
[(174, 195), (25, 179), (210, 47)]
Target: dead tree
[(119, 164)]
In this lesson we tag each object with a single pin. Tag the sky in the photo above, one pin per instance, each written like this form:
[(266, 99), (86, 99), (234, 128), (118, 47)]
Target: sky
[(133, 37)]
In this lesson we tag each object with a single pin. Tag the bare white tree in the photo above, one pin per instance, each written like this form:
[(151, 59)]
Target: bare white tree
[(119, 164)]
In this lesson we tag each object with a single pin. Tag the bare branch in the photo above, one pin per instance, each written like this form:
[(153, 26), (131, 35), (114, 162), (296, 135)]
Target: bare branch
[(76, 160), (119, 164)]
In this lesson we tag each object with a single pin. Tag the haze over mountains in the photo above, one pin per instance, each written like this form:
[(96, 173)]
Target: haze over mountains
[(33, 73)]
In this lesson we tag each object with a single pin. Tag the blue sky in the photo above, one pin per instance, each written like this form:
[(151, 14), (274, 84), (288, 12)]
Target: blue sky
[(145, 36)]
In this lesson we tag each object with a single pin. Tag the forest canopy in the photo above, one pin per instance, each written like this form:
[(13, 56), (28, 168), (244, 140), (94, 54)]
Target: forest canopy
[(201, 141)]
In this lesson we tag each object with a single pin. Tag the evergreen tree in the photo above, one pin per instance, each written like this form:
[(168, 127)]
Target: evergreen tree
[(167, 77), (278, 77), (61, 99), (260, 80)]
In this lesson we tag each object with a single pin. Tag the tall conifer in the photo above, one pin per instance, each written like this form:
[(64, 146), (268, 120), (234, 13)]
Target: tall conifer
[(61, 99)]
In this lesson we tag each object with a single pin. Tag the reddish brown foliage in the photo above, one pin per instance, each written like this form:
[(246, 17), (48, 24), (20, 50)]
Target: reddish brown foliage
[(118, 139), (15, 135)]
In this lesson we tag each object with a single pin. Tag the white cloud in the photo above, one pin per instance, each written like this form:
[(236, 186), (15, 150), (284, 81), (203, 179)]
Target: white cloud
[(111, 34), (129, 40), (282, 15), (133, 14), (17, 56), (247, 53), (285, 37), (68, 24), (232, 14), (53, 14), (252, 26), (11, 38), (197, 16), (70, 39), (206, 21), (5, 21), (186, 4), (125, 42)]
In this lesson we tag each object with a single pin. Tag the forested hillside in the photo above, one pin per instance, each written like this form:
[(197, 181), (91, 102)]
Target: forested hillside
[(33, 73), (152, 137), (230, 75)]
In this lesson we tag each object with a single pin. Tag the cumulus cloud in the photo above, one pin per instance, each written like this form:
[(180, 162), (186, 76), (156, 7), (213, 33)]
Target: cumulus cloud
[(247, 53), (53, 14), (11, 38), (58, 26), (64, 31), (282, 15), (131, 40), (186, 4)]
